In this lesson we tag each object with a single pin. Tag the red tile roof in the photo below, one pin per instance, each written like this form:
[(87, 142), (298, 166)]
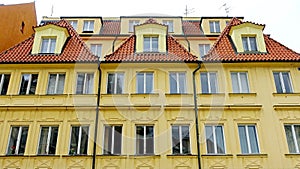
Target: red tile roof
[(191, 28), (110, 27), (75, 50), (126, 53), (223, 49)]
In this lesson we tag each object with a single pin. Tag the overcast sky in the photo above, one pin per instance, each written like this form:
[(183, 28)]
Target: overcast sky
[(282, 18)]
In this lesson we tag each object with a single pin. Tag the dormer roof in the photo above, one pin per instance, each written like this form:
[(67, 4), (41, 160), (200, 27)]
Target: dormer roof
[(74, 50), (175, 53), (224, 50)]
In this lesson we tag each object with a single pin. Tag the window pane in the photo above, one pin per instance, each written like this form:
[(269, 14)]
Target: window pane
[(253, 43), (235, 83), (185, 139), (289, 138), (52, 45), (149, 140), (84, 140), (287, 82), (23, 140), (217, 26), (149, 82), (209, 139), (245, 43), (5, 78), (111, 83), (74, 140), (244, 83), (118, 139), (43, 140), (140, 139), (173, 83), (154, 44), (253, 139), (107, 140), (243, 139), (61, 84), (146, 44), (12, 145), (80, 83), (213, 83), (120, 83), (297, 133), (204, 82), (89, 84), (53, 140), (140, 82), (34, 78), (24, 84), (211, 27), (51, 84), (175, 140), (182, 86), (277, 82), (220, 140)]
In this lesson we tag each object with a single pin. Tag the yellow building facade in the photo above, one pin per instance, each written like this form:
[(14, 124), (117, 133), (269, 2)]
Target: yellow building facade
[(147, 93)]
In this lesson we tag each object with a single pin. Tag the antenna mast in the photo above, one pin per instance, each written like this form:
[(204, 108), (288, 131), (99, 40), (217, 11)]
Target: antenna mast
[(188, 11)]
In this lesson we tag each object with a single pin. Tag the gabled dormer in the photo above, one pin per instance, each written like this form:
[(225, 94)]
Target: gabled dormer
[(49, 39), (248, 38), (151, 37)]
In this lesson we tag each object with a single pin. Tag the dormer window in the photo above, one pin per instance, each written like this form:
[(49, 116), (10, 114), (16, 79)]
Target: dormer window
[(214, 26), (74, 24), (151, 44), (96, 49), (249, 43), (48, 45), (88, 26), (132, 23), (169, 24)]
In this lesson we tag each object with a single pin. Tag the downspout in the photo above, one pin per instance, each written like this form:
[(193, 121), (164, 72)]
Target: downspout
[(196, 114), (97, 116)]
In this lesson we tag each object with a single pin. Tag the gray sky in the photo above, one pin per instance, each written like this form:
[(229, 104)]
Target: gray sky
[(282, 18)]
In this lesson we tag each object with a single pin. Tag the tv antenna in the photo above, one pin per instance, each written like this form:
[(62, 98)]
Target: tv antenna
[(226, 8), (188, 11)]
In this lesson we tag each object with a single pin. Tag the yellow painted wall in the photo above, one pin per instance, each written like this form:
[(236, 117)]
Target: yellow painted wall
[(80, 23), (248, 29), (205, 25)]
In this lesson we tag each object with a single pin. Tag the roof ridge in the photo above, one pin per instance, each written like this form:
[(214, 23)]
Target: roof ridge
[(182, 47), (266, 36)]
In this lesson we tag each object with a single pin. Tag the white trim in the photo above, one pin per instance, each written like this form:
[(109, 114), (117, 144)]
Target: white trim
[(79, 140), (295, 139), (1, 82)]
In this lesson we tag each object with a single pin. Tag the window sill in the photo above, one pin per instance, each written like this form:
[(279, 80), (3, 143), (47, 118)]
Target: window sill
[(216, 155), (240, 94), (286, 94), (252, 155), (181, 155), (144, 155), (146, 94), (211, 94), (77, 155), (297, 155), (87, 31), (171, 94)]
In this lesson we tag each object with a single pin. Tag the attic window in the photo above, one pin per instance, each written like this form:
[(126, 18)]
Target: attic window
[(214, 26), (249, 43), (73, 23), (88, 26), (169, 24), (132, 23), (151, 44), (48, 45)]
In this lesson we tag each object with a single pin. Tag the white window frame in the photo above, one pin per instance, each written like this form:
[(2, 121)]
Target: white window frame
[(209, 81), (90, 26), (240, 82), (56, 82), (18, 139), (29, 82), (249, 43), (144, 82), (132, 23), (116, 75), (248, 137), (48, 44), (112, 139), (85, 83), (294, 137), (48, 139), (98, 49), (177, 82), (151, 42), (180, 138), (2, 76), (206, 48), (79, 139), (144, 138), (215, 139), (215, 30), (283, 87), (170, 25)]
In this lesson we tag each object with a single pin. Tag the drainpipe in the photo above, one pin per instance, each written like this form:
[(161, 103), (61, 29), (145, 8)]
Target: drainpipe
[(196, 113), (97, 116)]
